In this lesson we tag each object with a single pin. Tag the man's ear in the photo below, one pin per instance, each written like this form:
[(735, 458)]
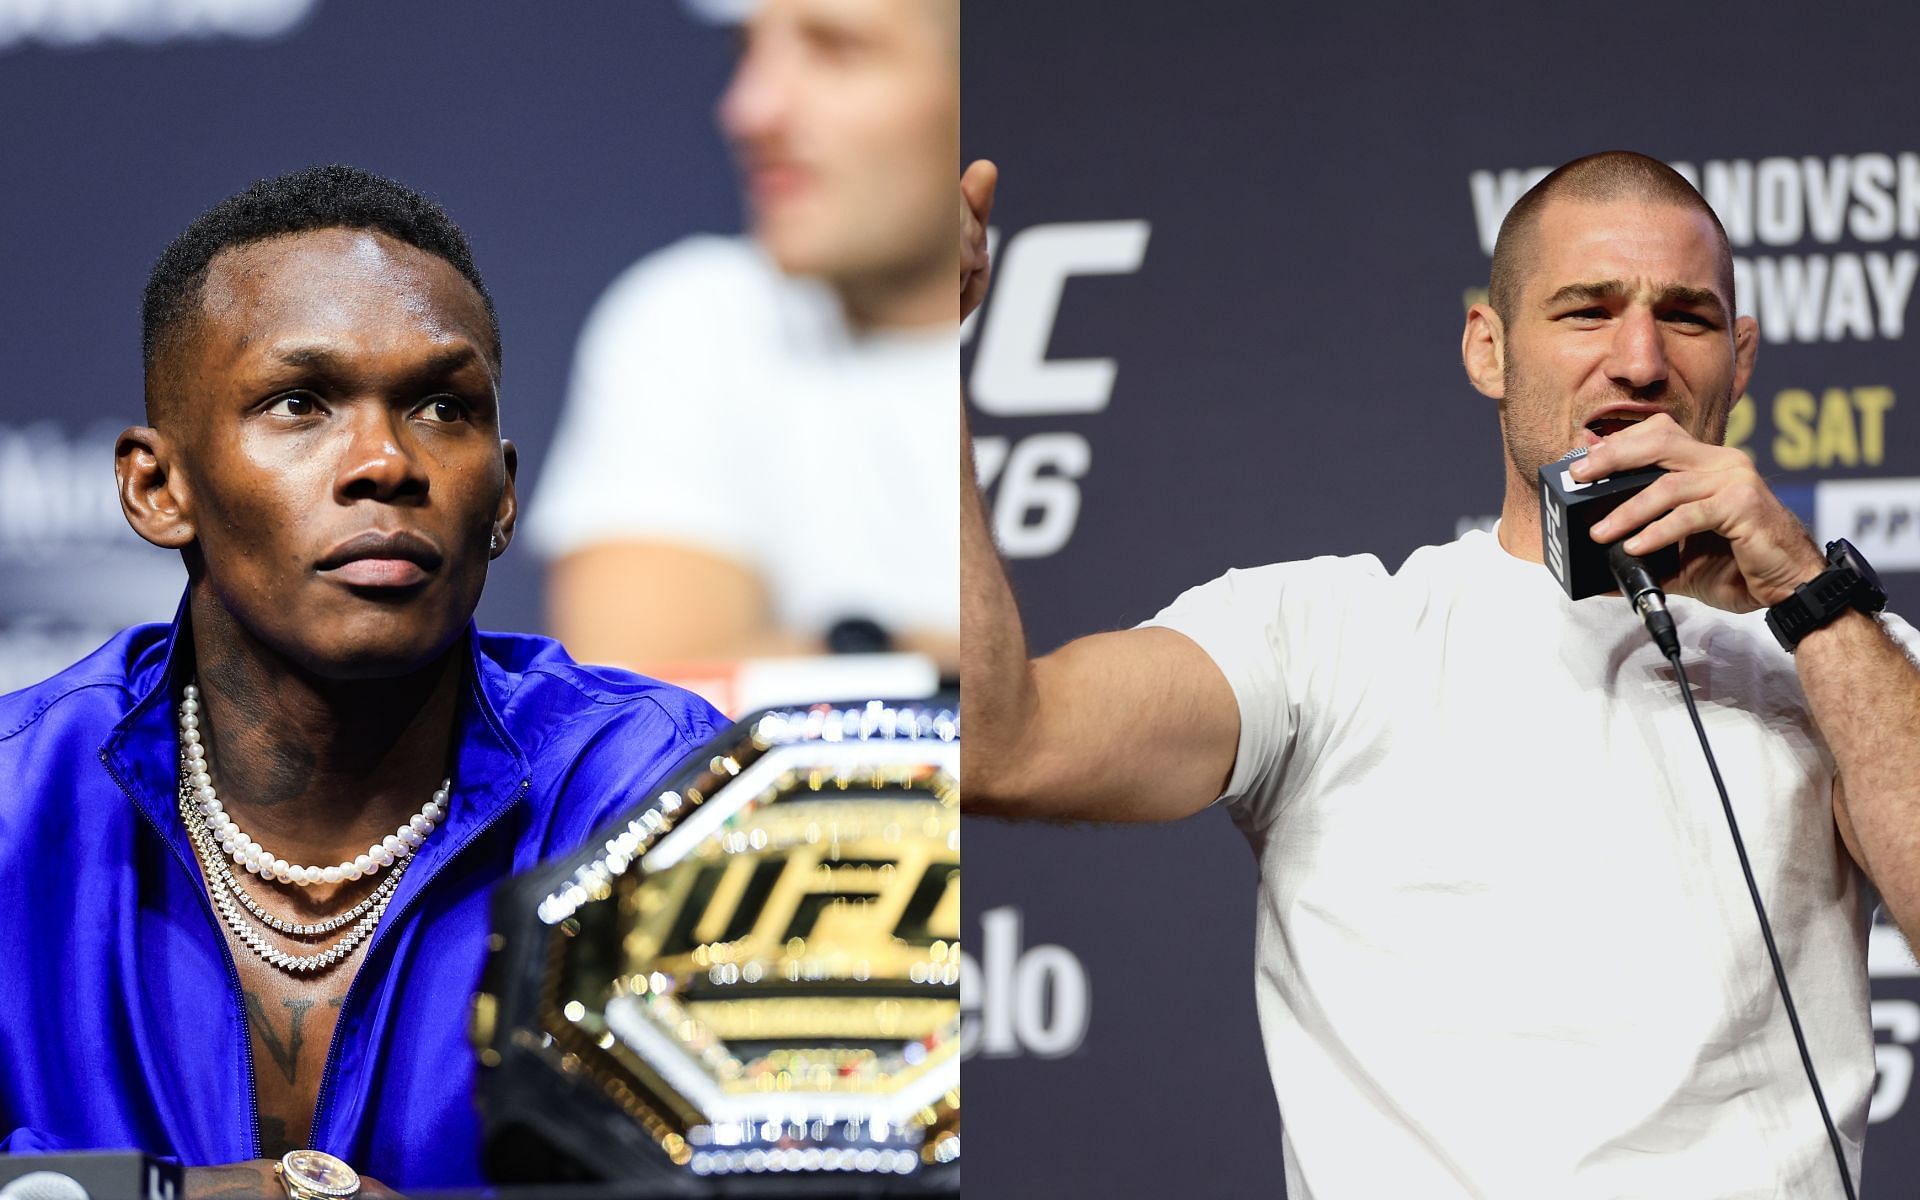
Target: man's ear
[(152, 494), (1746, 349), (1483, 351), (509, 510)]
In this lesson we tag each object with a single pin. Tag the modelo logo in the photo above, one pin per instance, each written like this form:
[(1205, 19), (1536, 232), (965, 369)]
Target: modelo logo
[(1036, 477), (1017, 1000), (88, 22)]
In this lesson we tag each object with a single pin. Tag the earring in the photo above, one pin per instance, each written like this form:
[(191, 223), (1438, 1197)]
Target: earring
[(493, 542)]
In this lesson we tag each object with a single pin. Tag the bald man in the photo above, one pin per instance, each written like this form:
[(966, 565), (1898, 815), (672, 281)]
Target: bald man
[(1504, 947)]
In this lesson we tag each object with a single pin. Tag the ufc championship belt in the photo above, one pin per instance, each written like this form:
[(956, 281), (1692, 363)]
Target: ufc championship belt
[(748, 983)]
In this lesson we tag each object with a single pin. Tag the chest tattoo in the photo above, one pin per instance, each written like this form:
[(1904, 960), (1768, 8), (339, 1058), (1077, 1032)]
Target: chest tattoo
[(290, 1036)]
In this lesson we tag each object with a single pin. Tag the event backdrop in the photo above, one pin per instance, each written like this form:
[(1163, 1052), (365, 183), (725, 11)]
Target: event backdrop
[(1235, 243), (568, 140)]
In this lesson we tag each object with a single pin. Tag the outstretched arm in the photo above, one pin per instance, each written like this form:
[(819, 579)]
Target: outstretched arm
[(1138, 725)]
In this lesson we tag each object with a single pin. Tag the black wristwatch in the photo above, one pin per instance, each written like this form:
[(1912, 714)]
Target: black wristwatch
[(1848, 582)]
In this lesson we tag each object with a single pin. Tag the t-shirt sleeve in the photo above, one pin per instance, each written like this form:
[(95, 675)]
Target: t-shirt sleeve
[(1277, 633), (635, 450)]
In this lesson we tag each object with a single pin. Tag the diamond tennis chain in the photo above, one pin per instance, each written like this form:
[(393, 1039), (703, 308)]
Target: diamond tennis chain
[(216, 839)]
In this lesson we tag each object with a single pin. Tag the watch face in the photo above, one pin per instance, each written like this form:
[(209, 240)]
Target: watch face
[(318, 1171), (1840, 553)]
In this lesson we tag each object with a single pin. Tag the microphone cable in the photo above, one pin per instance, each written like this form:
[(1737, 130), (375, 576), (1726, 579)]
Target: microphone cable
[(1638, 585)]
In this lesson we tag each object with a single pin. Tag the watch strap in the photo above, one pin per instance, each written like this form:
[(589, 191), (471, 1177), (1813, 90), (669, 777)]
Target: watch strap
[(1814, 604)]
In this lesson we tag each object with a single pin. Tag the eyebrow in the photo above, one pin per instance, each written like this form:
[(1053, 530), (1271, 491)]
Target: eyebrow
[(328, 361), (1614, 289)]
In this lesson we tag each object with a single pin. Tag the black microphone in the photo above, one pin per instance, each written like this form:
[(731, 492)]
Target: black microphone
[(1638, 586), (858, 635), (1568, 512)]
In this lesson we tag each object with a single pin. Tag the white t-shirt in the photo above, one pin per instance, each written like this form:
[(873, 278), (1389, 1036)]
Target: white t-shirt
[(718, 403), (1504, 948)]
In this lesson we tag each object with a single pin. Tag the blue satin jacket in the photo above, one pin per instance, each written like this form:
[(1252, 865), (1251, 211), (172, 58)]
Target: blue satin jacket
[(121, 1019)]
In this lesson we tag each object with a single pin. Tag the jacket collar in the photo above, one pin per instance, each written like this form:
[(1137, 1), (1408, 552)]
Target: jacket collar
[(489, 772)]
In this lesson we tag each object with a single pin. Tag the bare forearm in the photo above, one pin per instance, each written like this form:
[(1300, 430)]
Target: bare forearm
[(255, 1180), (998, 696), (1121, 726), (996, 682), (233, 1181), (1137, 725), (1865, 695), (648, 602)]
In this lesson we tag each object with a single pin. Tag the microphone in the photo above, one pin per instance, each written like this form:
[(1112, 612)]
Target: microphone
[(114, 1175), (44, 1185), (1638, 586), (858, 635), (1568, 511)]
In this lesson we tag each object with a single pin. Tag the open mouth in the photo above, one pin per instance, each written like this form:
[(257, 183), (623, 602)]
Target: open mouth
[(1612, 423)]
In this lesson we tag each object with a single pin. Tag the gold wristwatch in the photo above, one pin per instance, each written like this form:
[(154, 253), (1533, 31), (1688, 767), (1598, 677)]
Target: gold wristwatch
[(316, 1175)]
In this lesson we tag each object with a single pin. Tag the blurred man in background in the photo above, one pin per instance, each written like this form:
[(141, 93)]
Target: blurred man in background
[(750, 418)]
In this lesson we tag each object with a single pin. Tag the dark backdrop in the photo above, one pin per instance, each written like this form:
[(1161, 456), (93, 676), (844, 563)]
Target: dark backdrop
[(567, 139), (1263, 220)]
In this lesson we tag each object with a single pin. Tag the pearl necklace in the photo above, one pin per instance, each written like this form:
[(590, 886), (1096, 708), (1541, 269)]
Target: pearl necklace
[(369, 911), (247, 853), (225, 880)]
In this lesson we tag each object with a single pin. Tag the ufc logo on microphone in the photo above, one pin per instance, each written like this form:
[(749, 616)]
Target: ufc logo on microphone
[(1556, 534)]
